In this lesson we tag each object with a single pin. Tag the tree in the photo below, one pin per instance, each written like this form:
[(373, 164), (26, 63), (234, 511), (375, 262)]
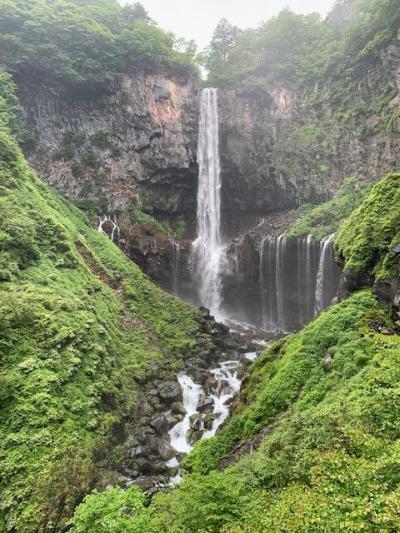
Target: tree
[(224, 39), (341, 15), (135, 12)]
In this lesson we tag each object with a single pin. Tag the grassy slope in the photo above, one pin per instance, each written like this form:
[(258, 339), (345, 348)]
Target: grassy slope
[(331, 459), (320, 409), (325, 219), (80, 324), (365, 239)]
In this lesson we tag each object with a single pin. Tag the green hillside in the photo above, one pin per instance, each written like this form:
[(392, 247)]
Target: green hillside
[(81, 325)]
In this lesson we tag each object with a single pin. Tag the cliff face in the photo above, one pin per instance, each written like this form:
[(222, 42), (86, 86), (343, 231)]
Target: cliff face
[(282, 147), (134, 145)]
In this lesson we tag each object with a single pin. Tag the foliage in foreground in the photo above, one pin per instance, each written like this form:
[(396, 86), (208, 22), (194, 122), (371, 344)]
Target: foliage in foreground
[(111, 511), (81, 326), (367, 236), (327, 401)]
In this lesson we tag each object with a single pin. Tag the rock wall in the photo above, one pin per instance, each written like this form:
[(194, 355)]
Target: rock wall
[(135, 145), (278, 150)]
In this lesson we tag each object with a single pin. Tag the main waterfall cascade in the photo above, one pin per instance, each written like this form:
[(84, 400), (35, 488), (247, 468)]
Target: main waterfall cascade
[(208, 250), (296, 278)]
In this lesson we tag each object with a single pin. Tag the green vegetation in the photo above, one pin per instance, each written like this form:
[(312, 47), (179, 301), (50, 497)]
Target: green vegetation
[(325, 219), (314, 443), (85, 44), (365, 239), (334, 64), (100, 138), (301, 49), (80, 326), (112, 511), (71, 142), (327, 401), (9, 106)]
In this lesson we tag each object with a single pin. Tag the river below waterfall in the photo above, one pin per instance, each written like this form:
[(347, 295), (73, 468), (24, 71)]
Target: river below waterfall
[(206, 407), (294, 280)]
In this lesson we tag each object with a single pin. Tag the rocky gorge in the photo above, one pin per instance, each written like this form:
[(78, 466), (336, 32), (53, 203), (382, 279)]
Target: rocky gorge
[(199, 279), (134, 147)]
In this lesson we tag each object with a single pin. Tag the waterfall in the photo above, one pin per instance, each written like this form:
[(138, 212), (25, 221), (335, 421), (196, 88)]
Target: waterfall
[(267, 283), (309, 302), (325, 262), (226, 376), (112, 222), (176, 263), (280, 299), (227, 385), (191, 397), (297, 279), (208, 250), (263, 280)]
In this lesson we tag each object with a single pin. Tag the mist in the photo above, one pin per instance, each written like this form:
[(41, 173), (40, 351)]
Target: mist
[(196, 20)]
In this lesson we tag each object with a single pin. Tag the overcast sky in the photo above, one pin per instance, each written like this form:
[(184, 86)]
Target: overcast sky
[(196, 19)]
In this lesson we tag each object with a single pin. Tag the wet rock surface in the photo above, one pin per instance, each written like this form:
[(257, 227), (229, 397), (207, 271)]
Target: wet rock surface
[(152, 460), (133, 144)]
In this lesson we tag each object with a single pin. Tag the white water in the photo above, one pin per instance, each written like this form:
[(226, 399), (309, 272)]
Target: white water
[(176, 255), (280, 261), (191, 397), (263, 282), (227, 386), (208, 250), (321, 276), (309, 276), (114, 226)]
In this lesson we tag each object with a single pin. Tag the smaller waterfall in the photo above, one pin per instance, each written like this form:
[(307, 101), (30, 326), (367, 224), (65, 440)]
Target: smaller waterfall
[(309, 292), (324, 274), (191, 397), (297, 279), (227, 385), (176, 263), (267, 283), (263, 283), (112, 223), (280, 295)]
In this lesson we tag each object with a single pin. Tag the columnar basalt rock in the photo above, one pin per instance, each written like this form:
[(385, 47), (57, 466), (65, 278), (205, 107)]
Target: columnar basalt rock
[(134, 145), (276, 154)]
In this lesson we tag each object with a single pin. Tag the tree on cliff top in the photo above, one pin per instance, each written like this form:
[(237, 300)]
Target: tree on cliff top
[(224, 39), (135, 12)]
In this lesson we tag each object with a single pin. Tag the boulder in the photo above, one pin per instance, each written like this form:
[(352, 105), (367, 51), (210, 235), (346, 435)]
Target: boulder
[(327, 362), (165, 451), (177, 408), (206, 406), (144, 465), (161, 92), (196, 422), (169, 392), (143, 482), (160, 424), (144, 434)]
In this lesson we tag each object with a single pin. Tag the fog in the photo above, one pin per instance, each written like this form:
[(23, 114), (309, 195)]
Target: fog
[(196, 19)]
